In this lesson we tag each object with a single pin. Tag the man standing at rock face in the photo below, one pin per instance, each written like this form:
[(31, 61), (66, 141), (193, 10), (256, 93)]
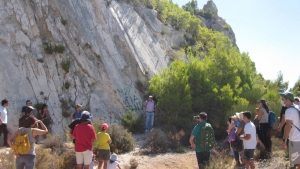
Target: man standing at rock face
[(24, 108), (150, 108), (3, 121)]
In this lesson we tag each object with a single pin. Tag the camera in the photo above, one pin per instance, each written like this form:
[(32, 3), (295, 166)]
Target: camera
[(196, 117)]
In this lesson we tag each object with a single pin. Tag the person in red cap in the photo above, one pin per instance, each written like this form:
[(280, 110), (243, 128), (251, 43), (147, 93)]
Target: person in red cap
[(104, 140)]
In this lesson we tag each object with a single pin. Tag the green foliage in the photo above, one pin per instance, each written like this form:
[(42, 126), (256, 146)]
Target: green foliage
[(64, 108), (41, 60), (132, 122), (122, 140), (48, 48), (38, 106), (64, 21), (59, 49), (67, 85), (227, 27), (65, 65)]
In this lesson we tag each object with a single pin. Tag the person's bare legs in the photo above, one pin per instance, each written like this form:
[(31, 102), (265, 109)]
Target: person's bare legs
[(100, 164), (251, 163), (86, 166), (105, 164), (79, 166)]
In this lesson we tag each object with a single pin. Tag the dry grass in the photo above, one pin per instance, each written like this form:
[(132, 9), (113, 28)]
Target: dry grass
[(47, 158)]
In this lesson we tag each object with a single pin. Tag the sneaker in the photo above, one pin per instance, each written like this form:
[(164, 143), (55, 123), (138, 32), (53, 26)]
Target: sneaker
[(146, 131), (151, 130)]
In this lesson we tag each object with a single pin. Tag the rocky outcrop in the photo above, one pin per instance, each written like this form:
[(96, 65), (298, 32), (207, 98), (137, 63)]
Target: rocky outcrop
[(63, 52), (214, 22)]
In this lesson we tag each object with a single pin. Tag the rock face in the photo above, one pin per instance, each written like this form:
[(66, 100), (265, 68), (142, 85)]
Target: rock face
[(215, 22), (99, 54)]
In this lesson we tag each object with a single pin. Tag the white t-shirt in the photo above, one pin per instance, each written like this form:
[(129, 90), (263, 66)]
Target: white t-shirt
[(250, 129), (3, 114), (292, 114), (112, 165)]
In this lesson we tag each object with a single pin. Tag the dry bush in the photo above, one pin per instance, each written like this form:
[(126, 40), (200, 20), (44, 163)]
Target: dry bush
[(55, 143), (45, 159), (122, 140), (157, 142), (7, 159), (220, 159), (133, 163), (67, 160)]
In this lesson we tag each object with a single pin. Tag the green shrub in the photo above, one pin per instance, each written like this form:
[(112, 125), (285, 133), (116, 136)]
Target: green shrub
[(67, 85), (132, 122), (45, 159), (38, 105), (122, 140), (41, 60), (48, 48), (65, 65), (226, 27), (59, 49), (64, 21), (64, 108), (163, 32)]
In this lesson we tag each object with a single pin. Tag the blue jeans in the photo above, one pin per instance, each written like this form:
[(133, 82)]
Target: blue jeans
[(26, 161), (149, 120)]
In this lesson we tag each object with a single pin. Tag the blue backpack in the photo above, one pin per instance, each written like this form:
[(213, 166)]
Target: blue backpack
[(272, 119)]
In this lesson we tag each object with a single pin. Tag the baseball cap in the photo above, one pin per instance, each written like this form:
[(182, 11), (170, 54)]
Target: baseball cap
[(263, 101), (114, 157), (150, 96), (104, 126), (288, 95), (86, 116)]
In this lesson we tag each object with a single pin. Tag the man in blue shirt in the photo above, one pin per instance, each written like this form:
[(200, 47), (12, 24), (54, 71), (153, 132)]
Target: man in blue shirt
[(202, 157)]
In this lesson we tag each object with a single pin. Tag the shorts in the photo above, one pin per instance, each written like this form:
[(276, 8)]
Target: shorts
[(103, 154), (294, 152), (249, 154), (84, 157)]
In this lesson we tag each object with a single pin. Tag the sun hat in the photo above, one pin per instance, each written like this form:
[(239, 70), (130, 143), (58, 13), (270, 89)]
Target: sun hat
[(288, 95), (104, 126), (114, 157), (86, 116), (239, 115)]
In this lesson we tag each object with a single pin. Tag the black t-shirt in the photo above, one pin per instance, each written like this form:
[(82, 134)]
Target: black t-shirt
[(283, 108), (73, 124), (24, 108)]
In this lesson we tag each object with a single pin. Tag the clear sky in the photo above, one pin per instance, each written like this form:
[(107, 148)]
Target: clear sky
[(269, 30)]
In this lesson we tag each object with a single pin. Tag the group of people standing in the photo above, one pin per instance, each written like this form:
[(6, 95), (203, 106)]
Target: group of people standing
[(81, 129), (83, 134), (240, 127)]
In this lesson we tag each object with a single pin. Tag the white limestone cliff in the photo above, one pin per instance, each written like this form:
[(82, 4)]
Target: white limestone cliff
[(109, 49)]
